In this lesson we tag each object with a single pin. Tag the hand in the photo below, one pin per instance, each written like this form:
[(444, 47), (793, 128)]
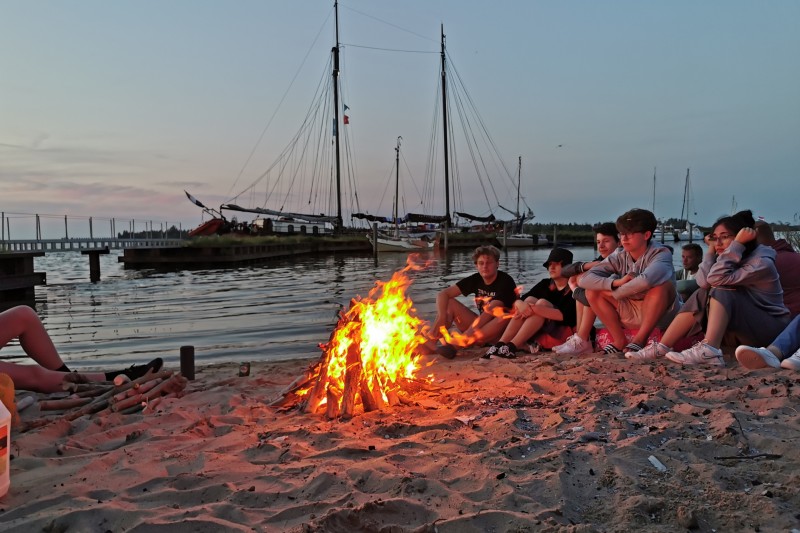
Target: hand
[(745, 235), (623, 280), (708, 240), (522, 309)]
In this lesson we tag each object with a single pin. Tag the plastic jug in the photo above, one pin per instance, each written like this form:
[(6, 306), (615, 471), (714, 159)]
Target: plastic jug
[(5, 449)]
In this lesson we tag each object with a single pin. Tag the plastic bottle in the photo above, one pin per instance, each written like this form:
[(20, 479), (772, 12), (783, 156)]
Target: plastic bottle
[(5, 449)]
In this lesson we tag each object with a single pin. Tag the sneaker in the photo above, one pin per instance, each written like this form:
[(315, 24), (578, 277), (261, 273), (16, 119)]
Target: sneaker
[(137, 371), (654, 350), (793, 362), (750, 357), (492, 350), (447, 351), (534, 347), (506, 351), (700, 353), (574, 346)]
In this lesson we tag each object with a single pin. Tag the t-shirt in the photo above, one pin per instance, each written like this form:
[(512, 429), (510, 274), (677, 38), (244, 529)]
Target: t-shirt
[(502, 288), (560, 298)]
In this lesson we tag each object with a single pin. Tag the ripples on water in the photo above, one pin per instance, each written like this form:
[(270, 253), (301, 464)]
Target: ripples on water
[(281, 310)]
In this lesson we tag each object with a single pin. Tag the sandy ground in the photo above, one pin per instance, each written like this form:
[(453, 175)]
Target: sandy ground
[(539, 443)]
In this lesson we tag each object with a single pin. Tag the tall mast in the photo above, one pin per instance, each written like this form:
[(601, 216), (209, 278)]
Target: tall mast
[(685, 206), (654, 190), (444, 128), (397, 186), (339, 220), (519, 181)]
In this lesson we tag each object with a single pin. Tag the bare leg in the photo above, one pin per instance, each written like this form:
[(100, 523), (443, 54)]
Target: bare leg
[(604, 305), (585, 322), (22, 322), (486, 328), (656, 302), (678, 329), (717, 323), (38, 379)]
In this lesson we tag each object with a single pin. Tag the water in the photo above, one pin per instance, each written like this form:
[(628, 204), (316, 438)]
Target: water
[(278, 311)]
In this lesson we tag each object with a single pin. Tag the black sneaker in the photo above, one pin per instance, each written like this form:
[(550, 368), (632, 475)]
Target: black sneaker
[(447, 351), (137, 371), (506, 352), (492, 350)]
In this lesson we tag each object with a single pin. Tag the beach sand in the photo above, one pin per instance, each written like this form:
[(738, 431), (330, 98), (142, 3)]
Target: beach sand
[(539, 443)]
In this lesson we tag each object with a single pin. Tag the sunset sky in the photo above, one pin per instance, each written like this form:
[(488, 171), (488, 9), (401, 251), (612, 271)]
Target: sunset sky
[(113, 109)]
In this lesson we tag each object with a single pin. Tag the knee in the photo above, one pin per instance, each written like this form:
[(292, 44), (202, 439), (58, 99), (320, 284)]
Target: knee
[(21, 315)]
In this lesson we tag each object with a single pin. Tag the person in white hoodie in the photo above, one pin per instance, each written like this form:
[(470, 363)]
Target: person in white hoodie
[(740, 293)]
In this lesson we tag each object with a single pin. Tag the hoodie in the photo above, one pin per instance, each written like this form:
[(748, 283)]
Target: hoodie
[(755, 274)]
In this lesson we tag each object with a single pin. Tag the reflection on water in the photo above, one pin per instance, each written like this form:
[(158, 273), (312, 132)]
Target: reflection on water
[(282, 310)]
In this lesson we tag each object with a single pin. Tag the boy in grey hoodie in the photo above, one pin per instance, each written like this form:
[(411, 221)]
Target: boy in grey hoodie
[(634, 287)]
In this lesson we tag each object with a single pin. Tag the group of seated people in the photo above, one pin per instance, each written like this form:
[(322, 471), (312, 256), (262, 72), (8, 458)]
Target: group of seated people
[(744, 291)]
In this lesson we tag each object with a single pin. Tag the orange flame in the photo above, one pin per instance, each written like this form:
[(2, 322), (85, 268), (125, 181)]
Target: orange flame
[(384, 330)]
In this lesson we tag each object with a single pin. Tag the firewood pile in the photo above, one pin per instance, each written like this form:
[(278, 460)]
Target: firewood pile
[(91, 398), (315, 392)]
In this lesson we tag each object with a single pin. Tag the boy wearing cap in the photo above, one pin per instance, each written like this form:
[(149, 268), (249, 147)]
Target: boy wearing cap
[(494, 290), (634, 287), (545, 314)]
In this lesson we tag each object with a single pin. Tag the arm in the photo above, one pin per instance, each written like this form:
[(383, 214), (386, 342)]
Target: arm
[(729, 269), (601, 276), (658, 270)]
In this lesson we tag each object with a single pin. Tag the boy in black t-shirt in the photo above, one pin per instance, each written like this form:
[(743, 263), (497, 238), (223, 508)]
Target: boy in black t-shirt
[(495, 293), (545, 314)]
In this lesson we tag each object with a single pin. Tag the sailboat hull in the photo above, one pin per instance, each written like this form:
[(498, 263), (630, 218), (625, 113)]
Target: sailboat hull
[(391, 244), (522, 240)]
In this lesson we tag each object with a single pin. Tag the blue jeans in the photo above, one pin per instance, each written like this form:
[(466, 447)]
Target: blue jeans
[(788, 341)]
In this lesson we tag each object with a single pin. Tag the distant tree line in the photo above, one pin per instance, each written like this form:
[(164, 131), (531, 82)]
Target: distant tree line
[(171, 233)]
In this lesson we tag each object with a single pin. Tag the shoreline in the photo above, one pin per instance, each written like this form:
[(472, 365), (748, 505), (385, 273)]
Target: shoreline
[(535, 443)]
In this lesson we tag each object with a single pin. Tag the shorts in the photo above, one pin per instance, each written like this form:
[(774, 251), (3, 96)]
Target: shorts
[(631, 313), (552, 334)]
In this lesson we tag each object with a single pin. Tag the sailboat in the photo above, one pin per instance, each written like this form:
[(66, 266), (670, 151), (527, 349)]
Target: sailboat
[(398, 240), (282, 220), (691, 233), (519, 239)]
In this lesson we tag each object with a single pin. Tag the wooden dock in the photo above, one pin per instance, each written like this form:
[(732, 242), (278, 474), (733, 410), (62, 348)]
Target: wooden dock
[(18, 280)]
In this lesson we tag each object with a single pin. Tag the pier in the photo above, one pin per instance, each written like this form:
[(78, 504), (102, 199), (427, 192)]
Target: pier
[(85, 243)]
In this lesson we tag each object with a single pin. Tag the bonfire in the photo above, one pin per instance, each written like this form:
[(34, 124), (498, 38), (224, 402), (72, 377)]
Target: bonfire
[(371, 360)]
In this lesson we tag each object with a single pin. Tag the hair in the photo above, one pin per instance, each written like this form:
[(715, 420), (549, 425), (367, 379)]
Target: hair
[(737, 221), (485, 250), (637, 220), (764, 233), (609, 229), (694, 248)]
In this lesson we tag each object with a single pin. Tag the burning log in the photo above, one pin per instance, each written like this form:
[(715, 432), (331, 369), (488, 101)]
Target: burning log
[(334, 397), (371, 359), (352, 380), (314, 398)]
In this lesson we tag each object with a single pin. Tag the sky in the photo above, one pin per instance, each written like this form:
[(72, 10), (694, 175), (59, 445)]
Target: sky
[(113, 109)]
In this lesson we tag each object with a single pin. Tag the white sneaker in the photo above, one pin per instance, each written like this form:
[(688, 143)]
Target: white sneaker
[(654, 350), (700, 353), (574, 346), (751, 357), (793, 362)]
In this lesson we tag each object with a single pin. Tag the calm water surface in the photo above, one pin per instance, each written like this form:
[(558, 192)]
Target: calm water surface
[(278, 311)]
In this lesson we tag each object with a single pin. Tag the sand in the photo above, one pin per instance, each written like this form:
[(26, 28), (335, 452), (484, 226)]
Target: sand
[(540, 443)]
